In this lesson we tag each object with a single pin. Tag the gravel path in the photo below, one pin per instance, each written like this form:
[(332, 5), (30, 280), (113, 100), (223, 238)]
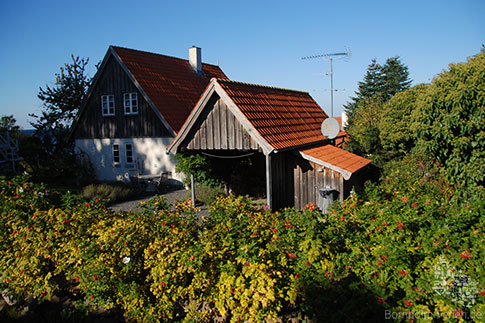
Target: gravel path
[(171, 197)]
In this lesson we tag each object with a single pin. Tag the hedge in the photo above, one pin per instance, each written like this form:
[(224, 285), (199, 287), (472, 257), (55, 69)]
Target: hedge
[(248, 263)]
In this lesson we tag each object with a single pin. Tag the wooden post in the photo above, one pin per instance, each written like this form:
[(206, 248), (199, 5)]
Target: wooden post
[(192, 188), (269, 183)]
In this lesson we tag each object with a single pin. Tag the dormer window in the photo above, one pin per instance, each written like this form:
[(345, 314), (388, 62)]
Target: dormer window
[(131, 103), (108, 105)]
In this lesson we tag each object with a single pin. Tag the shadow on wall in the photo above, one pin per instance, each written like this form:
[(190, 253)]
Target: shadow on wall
[(120, 159)]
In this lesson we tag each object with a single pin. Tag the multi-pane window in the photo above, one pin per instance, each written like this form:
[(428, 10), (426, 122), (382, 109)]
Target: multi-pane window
[(108, 105), (131, 103), (116, 154), (129, 153)]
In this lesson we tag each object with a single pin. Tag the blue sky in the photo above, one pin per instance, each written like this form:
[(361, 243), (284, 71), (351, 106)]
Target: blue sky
[(253, 41)]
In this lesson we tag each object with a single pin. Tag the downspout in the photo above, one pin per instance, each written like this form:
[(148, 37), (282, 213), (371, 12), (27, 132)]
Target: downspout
[(269, 182)]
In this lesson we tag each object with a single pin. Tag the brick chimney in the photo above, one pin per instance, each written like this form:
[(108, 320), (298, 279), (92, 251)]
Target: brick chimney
[(195, 59)]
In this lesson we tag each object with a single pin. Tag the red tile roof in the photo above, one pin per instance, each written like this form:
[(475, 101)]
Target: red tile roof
[(337, 157), (284, 118), (170, 83)]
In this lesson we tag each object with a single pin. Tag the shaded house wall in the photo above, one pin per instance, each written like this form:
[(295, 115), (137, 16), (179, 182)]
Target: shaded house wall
[(115, 81), (96, 134)]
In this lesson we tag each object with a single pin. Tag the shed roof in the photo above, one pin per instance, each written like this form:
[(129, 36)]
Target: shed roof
[(284, 118), (335, 158), (170, 83), (276, 118)]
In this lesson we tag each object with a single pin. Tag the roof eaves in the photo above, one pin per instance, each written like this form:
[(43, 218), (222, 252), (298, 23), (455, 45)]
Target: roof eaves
[(345, 173), (192, 118), (253, 132), (90, 92)]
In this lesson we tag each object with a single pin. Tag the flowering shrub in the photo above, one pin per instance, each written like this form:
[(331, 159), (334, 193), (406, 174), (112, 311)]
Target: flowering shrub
[(397, 247), (417, 243)]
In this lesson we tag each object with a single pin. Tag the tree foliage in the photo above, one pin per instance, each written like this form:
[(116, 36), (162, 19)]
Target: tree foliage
[(62, 101), (395, 133), (380, 84), (450, 121), (8, 124), (49, 155)]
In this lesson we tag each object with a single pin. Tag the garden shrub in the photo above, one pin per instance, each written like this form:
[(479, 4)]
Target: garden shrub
[(198, 165), (208, 194), (376, 252), (417, 244)]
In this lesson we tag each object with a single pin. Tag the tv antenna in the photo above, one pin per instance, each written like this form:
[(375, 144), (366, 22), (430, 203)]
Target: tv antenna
[(330, 57)]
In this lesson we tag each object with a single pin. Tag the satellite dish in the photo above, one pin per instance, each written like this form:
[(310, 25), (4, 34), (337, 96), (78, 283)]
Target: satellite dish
[(330, 128)]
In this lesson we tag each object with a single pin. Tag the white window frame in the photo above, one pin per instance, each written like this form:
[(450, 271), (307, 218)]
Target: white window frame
[(129, 154), (116, 154), (107, 105), (130, 103)]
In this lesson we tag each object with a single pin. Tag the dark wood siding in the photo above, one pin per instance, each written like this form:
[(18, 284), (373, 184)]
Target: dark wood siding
[(218, 129), (115, 81), (282, 165), (308, 180)]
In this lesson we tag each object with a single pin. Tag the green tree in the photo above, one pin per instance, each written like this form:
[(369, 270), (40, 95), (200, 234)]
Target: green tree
[(395, 78), (396, 135), (49, 155), (370, 86), (364, 138), (380, 84), (8, 123), (61, 103), (450, 122)]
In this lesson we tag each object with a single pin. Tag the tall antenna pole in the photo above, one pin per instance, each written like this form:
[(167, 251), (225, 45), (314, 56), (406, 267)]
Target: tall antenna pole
[(330, 56), (331, 88)]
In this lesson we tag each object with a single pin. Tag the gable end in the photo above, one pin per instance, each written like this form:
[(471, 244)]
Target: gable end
[(113, 80)]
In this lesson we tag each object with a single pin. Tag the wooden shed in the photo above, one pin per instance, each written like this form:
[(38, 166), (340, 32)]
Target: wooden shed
[(280, 124)]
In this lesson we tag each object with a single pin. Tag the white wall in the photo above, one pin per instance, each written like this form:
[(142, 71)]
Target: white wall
[(149, 155)]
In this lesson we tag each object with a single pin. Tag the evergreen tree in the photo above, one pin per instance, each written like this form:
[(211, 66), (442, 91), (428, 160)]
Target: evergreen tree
[(395, 77), (370, 86), (380, 84)]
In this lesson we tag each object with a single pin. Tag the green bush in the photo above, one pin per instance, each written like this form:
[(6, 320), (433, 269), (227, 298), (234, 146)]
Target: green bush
[(114, 192), (208, 194), (198, 165), (376, 252), (449, 122)]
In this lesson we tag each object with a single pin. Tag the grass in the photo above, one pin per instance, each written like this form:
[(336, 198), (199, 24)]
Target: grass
[(114, 192)]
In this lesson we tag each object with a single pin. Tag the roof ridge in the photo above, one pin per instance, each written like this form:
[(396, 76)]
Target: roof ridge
[(261, 85), (158, 54)]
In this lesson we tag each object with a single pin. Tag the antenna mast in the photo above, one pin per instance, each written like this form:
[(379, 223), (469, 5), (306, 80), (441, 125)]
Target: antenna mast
[(330, 56)]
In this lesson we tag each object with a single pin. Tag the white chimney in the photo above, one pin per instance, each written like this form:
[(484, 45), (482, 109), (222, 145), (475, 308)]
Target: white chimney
[(344, 119), (195, 59)]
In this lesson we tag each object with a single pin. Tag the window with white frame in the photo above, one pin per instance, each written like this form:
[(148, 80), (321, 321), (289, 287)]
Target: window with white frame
[(129, 153), (131, 103), (116, 154), (108, 105)]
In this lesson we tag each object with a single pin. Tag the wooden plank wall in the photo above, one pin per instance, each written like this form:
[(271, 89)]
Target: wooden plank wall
[(218, 129), (308, 181), (114, 81)]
